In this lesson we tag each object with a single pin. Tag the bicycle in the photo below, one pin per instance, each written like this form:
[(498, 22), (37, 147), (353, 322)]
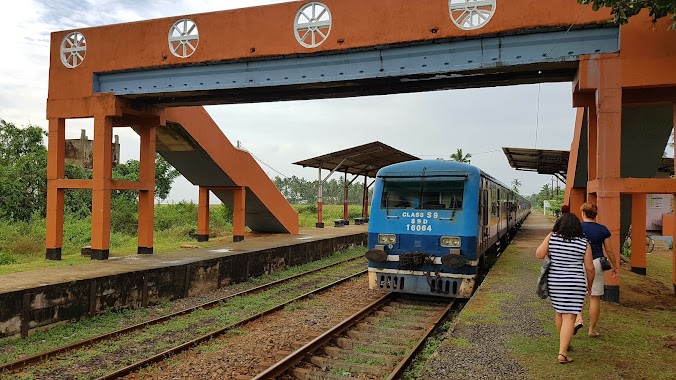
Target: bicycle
[(650, 244)]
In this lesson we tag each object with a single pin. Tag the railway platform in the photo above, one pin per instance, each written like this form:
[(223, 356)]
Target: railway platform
[(506, 332), (37, 298)]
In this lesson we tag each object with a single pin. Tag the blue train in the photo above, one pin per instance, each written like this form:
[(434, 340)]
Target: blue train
[(436, 226)]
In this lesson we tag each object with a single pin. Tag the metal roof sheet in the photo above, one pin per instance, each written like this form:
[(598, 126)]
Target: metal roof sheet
[(364, 159), (555, 162)]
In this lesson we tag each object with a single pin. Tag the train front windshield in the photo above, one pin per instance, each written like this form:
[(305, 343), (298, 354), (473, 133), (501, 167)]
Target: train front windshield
[(422, 194)]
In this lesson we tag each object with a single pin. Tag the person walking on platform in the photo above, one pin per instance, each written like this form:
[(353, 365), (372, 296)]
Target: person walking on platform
[(568, 250), (599, 239)]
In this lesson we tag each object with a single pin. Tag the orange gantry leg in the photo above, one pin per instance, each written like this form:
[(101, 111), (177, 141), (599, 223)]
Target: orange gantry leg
[(102, 185), (238, 214), (146, 203), (673, 232), (55, 170), (577, 197), (609, 126), (638, 235), (203, 215)]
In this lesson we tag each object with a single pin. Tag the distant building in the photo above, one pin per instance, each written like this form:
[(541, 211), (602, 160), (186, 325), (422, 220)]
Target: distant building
[(81, 151)]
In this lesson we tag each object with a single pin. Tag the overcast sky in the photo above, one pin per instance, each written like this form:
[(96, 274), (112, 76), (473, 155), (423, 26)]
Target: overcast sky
[(427, 125)]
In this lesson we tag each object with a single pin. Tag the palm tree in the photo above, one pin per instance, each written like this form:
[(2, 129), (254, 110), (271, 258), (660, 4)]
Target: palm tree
[(458, 156), (516, 184)]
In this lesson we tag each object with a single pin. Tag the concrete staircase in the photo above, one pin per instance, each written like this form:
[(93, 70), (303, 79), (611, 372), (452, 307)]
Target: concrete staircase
[(198, 149)]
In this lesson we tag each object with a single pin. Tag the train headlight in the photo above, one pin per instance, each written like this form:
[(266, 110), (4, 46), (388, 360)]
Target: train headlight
[(449, 241), (387, 238)]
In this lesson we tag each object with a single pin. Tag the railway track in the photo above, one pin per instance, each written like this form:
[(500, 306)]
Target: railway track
[(22, 363), (380, 340)]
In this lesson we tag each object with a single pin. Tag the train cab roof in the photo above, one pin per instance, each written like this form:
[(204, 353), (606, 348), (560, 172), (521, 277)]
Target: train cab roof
[(428, 169)]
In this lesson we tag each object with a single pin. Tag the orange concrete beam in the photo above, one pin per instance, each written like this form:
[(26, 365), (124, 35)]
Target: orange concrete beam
[(114, 184), (648, 55), (267, 31), (70, 184), (632, 185), (230, 188), (132, 185), (648, 52), (85, 106)]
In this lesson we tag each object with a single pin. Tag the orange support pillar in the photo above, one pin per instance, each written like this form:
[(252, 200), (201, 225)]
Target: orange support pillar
[(592, 144), (102, 175), (146, 203), (320, 200), (609, 126), (55, 170), (238, 215), (345, 195), (592, 151), (673, 231), (673, 252), (577, 196), (203, 215), (638, 238)]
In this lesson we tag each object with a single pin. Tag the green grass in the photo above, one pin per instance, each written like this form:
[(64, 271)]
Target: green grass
[(388, 323), (635, 334), (430, 346), (157, 338), (22, 244), (307, 214), (13, 347)]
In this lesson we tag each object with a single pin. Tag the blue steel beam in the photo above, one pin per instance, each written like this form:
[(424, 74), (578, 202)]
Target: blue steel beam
[(507, 56)]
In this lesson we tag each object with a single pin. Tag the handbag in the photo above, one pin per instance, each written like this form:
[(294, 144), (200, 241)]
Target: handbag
[(542, 290), (605, 263)]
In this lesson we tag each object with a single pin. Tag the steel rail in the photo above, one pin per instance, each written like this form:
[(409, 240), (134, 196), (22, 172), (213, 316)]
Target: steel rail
[(281, 367), (293, 358), (184, 346), (401, 367), (21, 363)]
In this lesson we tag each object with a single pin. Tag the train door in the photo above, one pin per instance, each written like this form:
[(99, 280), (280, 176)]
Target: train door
[(483, 209), (499, 215)]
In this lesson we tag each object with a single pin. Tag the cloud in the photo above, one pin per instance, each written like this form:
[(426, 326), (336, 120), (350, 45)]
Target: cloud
[(429, 125)]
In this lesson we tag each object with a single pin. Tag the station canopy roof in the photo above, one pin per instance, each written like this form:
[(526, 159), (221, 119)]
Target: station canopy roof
[(364, 159), (552, 162), (555, 162)]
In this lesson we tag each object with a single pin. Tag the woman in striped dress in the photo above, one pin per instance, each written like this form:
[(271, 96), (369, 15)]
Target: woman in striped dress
[(568, 250)]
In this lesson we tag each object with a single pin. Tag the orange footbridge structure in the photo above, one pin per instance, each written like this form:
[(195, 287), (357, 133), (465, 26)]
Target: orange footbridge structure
[(155, 75)]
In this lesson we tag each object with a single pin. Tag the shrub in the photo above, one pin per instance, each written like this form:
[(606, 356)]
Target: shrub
[(7, 258), (124, 215)]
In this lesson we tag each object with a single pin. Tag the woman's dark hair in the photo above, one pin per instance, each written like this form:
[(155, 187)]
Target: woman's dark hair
[(568, 226)]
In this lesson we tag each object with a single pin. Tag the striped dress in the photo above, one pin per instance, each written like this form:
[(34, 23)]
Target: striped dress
[(566, 283)]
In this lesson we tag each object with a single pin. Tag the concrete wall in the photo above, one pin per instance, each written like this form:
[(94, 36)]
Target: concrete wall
[(27, 309), (656, 206)]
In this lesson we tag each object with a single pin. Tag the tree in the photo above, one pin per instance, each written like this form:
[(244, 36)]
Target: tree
[(516, 184), (624, 9), (23, 171), (458, 156), (23, 177)]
